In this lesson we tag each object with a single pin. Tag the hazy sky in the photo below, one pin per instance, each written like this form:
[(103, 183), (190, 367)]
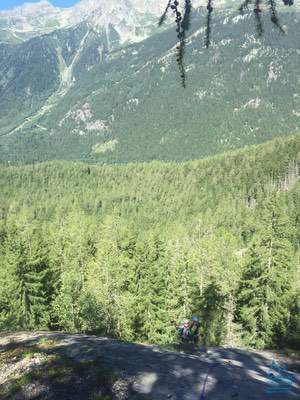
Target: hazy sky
[(5, 4)]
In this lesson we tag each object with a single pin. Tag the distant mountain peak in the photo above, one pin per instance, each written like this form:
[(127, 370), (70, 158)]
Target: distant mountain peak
[(126, 17), (29, 8)]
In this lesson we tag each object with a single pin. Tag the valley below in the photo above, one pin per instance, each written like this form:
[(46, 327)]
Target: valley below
[(107, 90)]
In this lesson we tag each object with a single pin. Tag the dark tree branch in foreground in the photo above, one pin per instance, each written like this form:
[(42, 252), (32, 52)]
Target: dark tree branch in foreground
[(183, 22)]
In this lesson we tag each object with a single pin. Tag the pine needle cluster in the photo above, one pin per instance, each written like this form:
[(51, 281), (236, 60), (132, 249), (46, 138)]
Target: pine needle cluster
[(182, 25)]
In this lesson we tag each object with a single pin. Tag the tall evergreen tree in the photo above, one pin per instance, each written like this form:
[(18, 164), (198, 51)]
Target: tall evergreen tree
[(267, 280), (26, 267), (213, 314), (74, 248), (151, 316)]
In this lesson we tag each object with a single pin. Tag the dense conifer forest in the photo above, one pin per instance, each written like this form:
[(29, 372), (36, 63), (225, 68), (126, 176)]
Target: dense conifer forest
[(123, 250)]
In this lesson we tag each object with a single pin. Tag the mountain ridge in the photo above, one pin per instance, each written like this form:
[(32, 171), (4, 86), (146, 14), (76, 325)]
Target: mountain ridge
[(38, 18), (32, 19), (100, 99)]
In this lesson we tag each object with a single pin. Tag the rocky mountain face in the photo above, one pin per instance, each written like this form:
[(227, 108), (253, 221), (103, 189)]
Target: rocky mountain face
[(33, 19), (133, 19), (94, 90)]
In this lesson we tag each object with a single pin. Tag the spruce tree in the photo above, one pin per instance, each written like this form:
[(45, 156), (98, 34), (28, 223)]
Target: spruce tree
[(266, 285), (151, 316), (213, 315), (26, 265)]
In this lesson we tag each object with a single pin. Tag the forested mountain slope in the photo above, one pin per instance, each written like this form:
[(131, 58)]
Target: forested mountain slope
[(123, 250), (82, 93)]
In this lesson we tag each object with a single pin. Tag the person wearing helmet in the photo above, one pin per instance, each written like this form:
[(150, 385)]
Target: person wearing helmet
[(194, 329), (189, 331)]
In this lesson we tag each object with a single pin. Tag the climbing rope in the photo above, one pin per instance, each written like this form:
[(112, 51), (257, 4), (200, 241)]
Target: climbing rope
[(202, 395)]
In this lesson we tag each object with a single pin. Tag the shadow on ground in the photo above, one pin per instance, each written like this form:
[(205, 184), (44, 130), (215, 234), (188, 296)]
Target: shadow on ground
[(85, 367)]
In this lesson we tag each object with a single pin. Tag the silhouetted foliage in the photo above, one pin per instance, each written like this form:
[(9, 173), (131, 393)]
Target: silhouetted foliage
[(182, 24)]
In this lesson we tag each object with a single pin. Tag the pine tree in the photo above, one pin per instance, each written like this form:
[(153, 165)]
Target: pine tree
[(150, 282), (26, 264), (263, 298), (109, 279), (182, 282), (74, 248), (213, 314)]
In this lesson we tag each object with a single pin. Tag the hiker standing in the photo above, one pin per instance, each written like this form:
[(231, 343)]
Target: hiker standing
[(194, 329), (189, 330)]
